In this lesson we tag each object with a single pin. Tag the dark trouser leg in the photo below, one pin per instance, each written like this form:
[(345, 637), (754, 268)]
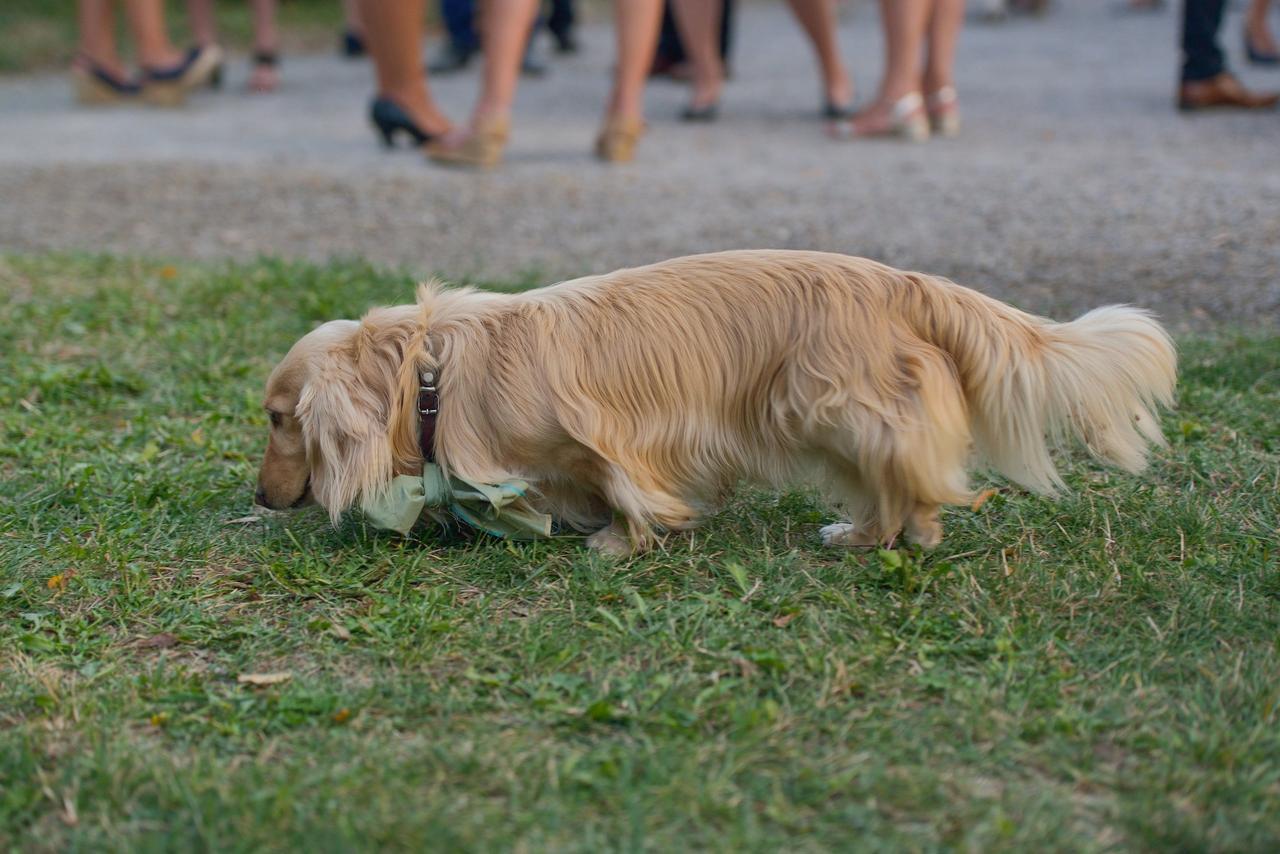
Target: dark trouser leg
[(1201, 55), (726, 31), (560, 21), (460, 22)]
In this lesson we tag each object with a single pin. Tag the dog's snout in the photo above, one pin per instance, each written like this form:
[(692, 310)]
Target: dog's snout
[(260, 497)]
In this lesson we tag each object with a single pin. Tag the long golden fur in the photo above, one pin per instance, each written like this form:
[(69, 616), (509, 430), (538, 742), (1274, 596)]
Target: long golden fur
[(646, 394)]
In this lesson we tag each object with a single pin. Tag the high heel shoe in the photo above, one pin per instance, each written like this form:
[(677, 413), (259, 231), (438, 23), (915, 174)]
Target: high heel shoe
[(390, 118), (618, 139), (944, 112), (907, 119), (168, 87), (482, 149), (95, 85), (706, 113)]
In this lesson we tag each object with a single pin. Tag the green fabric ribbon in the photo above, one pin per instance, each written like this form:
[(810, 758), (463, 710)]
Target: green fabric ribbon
[(500, 509)]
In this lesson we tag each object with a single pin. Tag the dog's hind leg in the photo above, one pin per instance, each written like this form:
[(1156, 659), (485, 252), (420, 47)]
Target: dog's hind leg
[(850, 494)]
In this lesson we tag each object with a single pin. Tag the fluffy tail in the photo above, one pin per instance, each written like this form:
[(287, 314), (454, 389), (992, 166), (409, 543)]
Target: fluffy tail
[(1032, 383)]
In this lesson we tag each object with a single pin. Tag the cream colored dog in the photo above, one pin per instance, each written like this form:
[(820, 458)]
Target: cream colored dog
[(634, 402)]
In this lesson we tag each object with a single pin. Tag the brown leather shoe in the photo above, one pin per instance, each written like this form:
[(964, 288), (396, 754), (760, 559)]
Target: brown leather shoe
[(1223, 90)]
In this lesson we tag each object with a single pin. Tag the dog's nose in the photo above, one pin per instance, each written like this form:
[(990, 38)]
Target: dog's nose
[(260, 497)]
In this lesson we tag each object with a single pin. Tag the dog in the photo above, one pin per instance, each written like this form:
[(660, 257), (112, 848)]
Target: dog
[(634, 402)]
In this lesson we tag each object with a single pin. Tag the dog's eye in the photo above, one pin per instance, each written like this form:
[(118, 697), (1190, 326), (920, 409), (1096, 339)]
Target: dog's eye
[(275, 419)]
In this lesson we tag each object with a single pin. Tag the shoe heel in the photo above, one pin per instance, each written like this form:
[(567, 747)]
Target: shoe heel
[(388, 135), (618, 140), (91, 93), (164, 93), (215, 77)]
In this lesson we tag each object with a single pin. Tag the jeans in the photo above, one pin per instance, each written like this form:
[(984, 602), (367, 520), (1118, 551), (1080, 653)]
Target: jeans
[(1201, 55)]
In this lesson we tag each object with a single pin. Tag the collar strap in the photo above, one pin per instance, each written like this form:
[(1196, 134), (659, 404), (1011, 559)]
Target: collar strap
[(428, 410)]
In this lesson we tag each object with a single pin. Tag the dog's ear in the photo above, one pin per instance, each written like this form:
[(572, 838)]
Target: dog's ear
[(358, 410)]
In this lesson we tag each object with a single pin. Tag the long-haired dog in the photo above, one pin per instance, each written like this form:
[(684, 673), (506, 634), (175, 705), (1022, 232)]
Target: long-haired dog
[(633, 402)]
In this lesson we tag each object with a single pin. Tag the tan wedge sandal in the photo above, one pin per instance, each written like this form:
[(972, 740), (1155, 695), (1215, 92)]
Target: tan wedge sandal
[(618, 139), (94, 86), (481, 150)]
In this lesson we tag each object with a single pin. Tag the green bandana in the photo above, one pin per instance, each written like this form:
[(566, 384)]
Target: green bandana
[(500, 509)]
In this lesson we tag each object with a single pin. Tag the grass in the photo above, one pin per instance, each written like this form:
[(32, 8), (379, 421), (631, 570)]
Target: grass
[(41, 34), (1086, 674)]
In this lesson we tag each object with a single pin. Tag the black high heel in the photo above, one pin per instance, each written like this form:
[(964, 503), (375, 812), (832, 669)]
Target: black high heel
[(390, 118)]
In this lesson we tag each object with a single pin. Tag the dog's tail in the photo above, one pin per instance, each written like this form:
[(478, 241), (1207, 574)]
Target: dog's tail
[(1030, 383)]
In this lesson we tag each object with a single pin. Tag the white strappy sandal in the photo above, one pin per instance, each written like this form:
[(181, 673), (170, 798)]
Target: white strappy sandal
[(907, 119)]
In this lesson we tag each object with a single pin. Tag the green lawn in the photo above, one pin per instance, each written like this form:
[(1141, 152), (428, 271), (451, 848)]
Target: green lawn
[(1098, 672)]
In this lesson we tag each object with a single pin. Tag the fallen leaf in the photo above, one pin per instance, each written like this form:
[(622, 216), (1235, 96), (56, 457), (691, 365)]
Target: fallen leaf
[(164, 640), (244, 520), (159, 719), (168, 272), (340, 631), (260, 679), (982, 499), (784, 621), (341, 716), (56, 582)]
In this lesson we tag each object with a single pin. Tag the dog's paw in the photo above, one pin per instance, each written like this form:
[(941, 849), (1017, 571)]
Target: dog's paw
[(846, 534), (610, 541)]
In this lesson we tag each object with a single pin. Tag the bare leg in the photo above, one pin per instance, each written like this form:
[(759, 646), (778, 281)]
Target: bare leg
[(151, 39), (266, 42), (351, 14), (394, 32), (505, 32), (637, 22), (1257, 30), (97, 35), (818, 18), (699, 25), (204, 28), (944, 31), (904, 31)]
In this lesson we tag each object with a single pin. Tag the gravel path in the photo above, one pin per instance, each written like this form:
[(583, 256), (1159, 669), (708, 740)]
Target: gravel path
[(1074, 183)]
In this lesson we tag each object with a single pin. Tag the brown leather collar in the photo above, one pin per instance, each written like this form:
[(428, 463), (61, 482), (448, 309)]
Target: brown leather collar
[(428, 411)]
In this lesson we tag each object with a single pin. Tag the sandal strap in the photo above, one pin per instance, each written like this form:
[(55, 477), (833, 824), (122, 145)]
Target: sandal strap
[(944, 97), (906, 105)]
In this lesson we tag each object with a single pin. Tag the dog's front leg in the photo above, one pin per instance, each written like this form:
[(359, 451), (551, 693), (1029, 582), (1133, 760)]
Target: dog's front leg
[(612, 540)]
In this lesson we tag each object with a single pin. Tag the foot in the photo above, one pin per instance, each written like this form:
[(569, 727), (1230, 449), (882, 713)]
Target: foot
[(924, 528), (839, 98), (1260, 45), (703, 106), (847, 534), (1223, 90), (612, 541), (904, 117), (479, 146), (265, 76)]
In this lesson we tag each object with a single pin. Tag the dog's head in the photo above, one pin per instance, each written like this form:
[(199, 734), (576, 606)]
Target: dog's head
[(343, 419)]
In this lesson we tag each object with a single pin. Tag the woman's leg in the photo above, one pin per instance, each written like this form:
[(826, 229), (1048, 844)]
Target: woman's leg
[(266, 43), (151, 38), (353, 21), (393, 31), (637, 23), (944, 32), (505, 30), (204, 27), (699, 25), (905, 22), (96, 19), (818, 18), (1257, 29)]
